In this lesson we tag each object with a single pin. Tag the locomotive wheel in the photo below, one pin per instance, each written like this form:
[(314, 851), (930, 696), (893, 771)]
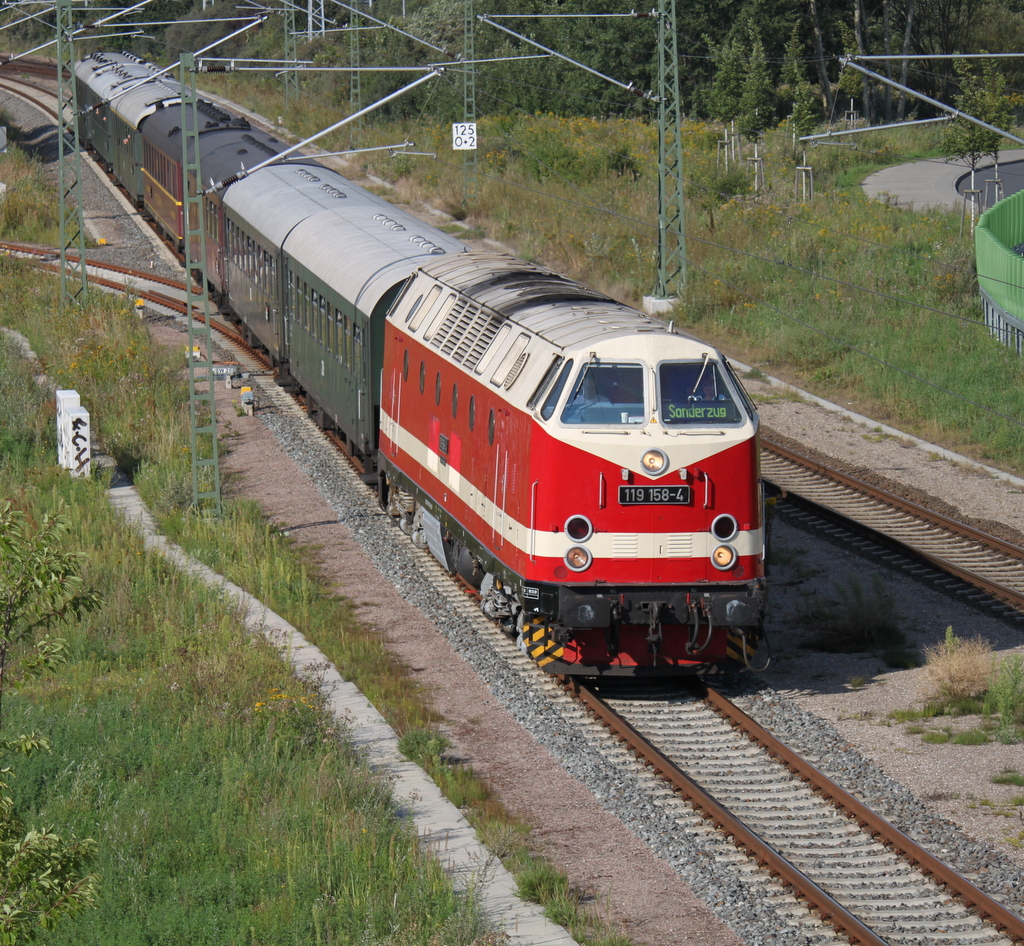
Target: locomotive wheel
[(540, 642)]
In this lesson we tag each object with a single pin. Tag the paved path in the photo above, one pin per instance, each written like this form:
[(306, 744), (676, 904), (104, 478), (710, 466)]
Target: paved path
[(918, 185)]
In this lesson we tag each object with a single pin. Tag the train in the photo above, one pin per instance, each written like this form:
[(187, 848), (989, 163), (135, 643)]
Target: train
[(589, 471)]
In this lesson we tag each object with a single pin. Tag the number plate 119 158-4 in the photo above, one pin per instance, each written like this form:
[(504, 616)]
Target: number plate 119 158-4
[(647, 495)]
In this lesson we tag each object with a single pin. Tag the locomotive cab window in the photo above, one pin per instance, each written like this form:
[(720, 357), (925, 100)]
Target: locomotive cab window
[(607, 393), (696, 394)]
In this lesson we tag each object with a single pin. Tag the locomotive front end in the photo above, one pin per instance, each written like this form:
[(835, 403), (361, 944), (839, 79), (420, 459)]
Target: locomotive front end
[(649, 532)]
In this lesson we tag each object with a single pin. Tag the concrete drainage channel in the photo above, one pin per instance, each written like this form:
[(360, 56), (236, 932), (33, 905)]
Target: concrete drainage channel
[(443, 830)]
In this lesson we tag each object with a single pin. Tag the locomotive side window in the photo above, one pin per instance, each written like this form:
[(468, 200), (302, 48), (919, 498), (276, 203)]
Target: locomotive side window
[(437, 388), (423, 376), (607, 393), (695, 394), (744, 397), (405, 366), (556, 392), (544, 382), (472, 412), (490, 429), (455, 400)]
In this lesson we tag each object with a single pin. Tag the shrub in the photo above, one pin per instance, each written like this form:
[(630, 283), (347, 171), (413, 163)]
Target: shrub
[(1006, 694), (957, 669), (858, 621)]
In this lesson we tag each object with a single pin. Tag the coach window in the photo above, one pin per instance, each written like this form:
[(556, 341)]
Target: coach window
[(405, 366), (490, 429), (472, 412), (455, 400), (423, 376), (357, 346), (437, 389)]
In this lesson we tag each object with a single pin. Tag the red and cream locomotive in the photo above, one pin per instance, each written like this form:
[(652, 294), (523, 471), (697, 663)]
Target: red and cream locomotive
[(591, 472)]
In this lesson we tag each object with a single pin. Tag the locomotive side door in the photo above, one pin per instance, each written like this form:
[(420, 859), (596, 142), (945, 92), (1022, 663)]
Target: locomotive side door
[(498, 474)]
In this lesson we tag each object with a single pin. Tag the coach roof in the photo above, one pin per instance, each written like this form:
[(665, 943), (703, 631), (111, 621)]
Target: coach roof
[(354, 241), (109, 74)]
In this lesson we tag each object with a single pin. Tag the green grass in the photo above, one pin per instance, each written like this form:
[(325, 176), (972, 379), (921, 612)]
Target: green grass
[(226, 805), (28, 213)]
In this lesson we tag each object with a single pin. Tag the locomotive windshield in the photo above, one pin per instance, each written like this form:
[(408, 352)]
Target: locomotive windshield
[(695, 394), (607, 393)]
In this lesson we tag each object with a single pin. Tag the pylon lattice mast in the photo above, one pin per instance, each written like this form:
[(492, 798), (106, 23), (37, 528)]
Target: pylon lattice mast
[(202, 405), (469, 98), (671, 277), (73, 279)]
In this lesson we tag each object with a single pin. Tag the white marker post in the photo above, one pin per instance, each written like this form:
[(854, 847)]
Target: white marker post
[(464, 136), (74, 438), (66, 401)]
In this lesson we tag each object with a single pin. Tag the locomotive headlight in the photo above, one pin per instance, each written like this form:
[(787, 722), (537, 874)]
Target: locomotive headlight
[(654, 462), (723, 557), (579, 528), (725, 528), (578, 558)]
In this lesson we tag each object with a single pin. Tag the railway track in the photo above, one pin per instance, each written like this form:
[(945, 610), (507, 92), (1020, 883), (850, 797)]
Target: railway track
[(920, 540), (16, 77), (858, 874)]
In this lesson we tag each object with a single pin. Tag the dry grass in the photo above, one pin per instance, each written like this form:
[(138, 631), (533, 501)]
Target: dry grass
[(958, 669)]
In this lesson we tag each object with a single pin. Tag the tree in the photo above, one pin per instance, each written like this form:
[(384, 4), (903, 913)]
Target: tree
[(727, 86), (43, 877), (982, 95), (806, 110), (757, 104)]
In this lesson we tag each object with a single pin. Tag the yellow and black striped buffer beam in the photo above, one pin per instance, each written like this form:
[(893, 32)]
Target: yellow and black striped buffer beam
[(734, 647), (540, 645)]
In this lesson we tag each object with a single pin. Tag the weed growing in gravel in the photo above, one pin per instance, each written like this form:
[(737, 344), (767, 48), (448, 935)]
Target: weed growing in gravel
[(1008, 777), (1006, 695), (957, 669), (971, 737), (858, 621)]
